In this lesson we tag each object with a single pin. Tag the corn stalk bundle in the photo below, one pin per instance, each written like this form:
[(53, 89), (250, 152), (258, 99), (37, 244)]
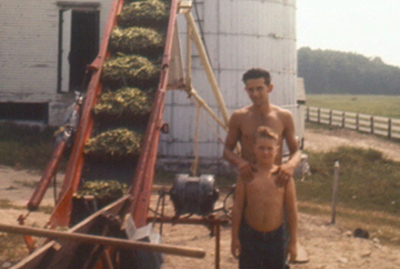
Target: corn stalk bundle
[(125, 104), (148, 13), (114, 145), (102, 189), (131, 70), (136, 40)]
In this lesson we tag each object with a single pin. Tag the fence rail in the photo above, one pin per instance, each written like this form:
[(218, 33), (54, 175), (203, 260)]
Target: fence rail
[(377, 125)]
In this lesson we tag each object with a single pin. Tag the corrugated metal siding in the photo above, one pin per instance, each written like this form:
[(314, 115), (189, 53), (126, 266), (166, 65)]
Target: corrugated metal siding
[(239, 34), (29, 52)]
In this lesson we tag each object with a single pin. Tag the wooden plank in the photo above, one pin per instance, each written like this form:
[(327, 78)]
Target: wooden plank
[(381, 126), (395, 129), (106, 241), (395, 121), (82, 227), (379, 118), (380, 132), (351, 126)]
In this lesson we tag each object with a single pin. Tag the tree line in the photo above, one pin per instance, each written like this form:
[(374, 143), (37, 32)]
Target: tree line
[(335, 72)]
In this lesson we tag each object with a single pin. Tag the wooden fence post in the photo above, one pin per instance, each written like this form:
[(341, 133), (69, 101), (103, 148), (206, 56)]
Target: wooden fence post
[(390, 128), (319, 115), (372, 124), (330, 118), (343, 119), (308, 113), (335, 189), (357, 122)]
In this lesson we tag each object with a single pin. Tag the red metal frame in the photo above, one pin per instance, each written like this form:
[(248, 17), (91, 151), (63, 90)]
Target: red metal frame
[(143, 179), (62, 213)]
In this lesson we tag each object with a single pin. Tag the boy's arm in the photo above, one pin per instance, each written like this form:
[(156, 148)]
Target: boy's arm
[(237, 214), (292, 218)]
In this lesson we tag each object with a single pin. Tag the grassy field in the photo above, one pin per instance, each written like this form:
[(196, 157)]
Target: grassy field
[(368, 190), (377, 105)]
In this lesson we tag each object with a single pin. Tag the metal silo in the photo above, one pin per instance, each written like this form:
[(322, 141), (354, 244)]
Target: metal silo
[(239, 35)]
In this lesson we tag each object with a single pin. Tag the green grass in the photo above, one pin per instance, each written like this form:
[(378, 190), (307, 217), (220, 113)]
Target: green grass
[(377, 105), (26, 147), (367, 181), (368, 190)]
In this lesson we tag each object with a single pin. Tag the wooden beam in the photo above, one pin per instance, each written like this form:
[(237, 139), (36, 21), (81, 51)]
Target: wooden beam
[(106, 241)]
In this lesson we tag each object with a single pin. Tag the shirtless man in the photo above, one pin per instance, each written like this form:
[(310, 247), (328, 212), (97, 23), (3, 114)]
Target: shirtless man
[(258, 233), (244, 123)]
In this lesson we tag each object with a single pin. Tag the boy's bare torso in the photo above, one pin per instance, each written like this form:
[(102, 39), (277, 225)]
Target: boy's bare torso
[(263, 209), (248, 121)]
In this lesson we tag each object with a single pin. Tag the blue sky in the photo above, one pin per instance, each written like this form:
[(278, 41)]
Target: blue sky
[(367, 27)]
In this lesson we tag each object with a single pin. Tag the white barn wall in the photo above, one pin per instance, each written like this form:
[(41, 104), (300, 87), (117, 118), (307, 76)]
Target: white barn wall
[(239, 35), (29, 52)]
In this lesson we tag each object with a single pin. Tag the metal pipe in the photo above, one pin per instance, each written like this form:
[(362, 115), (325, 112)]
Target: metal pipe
[(49, 172), (207, 67), (335, 189), (106, 241)]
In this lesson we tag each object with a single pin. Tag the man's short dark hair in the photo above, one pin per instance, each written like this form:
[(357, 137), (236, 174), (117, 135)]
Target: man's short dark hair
[(256, 73)]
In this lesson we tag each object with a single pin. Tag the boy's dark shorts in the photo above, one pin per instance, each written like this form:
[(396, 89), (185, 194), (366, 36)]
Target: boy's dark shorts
[(262, 250)]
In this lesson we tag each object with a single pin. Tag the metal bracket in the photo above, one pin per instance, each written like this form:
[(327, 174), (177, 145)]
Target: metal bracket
[(165, 128)]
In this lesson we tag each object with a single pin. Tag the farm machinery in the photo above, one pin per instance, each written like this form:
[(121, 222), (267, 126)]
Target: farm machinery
[(114, 130)]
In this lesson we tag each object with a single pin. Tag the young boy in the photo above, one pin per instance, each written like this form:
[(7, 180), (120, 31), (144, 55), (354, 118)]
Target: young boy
[(258, 232)]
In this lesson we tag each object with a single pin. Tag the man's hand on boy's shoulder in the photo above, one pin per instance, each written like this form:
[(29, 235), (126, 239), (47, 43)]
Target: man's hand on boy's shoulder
[(285, 173), (235, 248), (246, 171)]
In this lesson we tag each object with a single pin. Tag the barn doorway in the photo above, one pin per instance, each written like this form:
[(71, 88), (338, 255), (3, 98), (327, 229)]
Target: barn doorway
[(78, 46)]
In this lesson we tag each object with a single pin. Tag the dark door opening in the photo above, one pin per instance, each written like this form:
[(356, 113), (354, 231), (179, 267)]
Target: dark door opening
[(78, 47)]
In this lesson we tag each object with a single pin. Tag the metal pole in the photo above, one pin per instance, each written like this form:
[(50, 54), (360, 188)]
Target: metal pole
[(335, 189), (188, 56), (207, 67)]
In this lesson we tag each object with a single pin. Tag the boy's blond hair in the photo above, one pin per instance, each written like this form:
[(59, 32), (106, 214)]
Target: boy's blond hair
[(265, 132)]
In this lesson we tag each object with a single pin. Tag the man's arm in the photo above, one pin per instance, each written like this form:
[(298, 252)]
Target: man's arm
[(292, 218), (237, 214), (232, 138), (289, 134)]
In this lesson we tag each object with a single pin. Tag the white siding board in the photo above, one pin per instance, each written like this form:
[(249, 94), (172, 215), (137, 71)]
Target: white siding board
[(29, 53)]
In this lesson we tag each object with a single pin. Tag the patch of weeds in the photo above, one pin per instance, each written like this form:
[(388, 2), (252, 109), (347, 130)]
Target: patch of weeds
[(26, 147), (5, 203)]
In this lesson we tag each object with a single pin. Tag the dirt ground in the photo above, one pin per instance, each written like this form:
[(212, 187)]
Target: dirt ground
[(327, 246)]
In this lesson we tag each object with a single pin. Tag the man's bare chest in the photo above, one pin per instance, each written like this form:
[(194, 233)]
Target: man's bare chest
[(249, 126)]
